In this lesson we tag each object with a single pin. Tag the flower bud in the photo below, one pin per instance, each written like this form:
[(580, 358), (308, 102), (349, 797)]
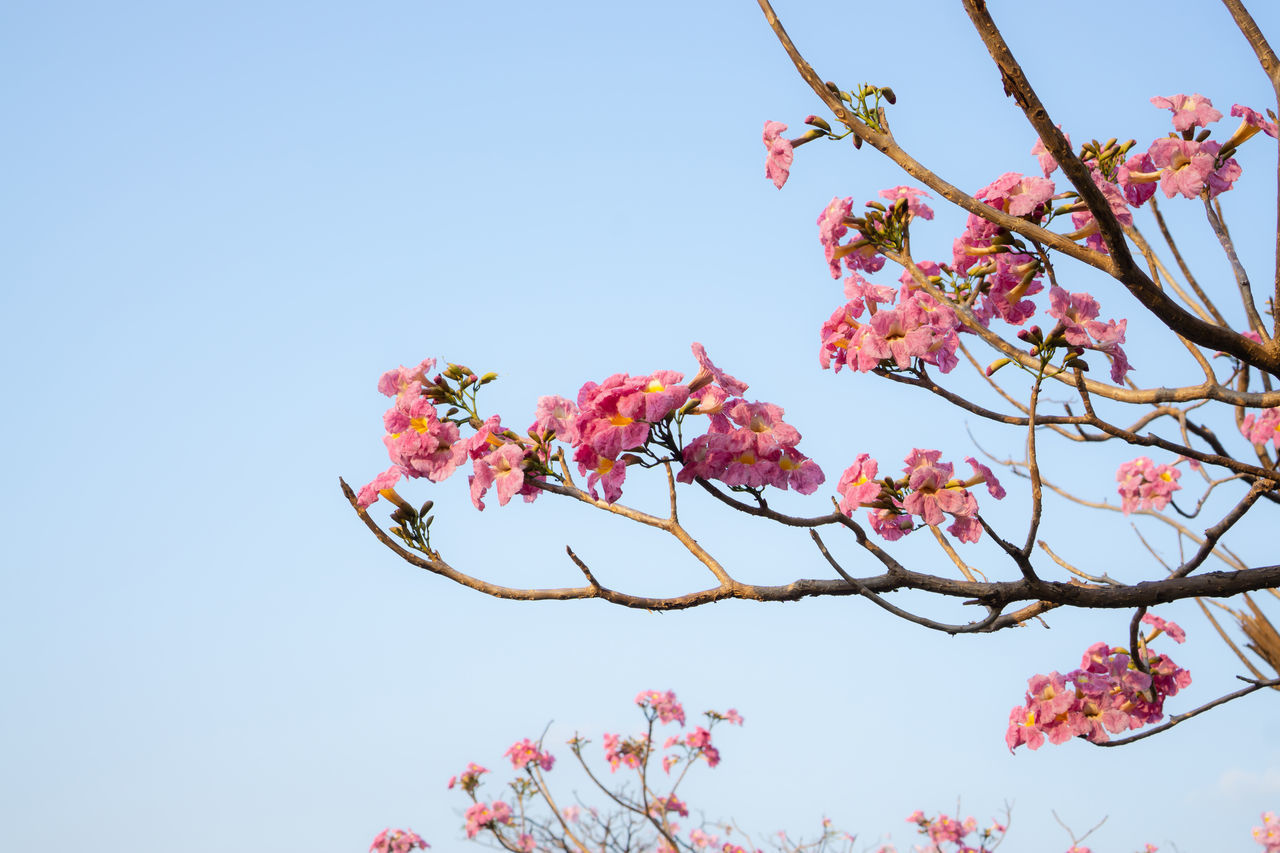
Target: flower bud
[(818, 122), (997, 364), (888, 95)]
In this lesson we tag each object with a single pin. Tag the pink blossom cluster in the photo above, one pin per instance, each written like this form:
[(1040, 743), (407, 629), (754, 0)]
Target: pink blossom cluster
[(747, 443), (1268, 835), (421, 444), (1146, 485), (479, 816), (1107, 695), (469, 778), (1262, 427), (1078, 325), (418, 442), (917, 327), (664, 706), (947, 830), (525, 752), (928, 491), (397, 841)]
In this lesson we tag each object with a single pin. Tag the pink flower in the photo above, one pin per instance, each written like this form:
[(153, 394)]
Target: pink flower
[(765, 424), (558, 415), (1047, 163), (890, 524), (733, 387), (1137, 178), (1268, 835), (524, 752), (479, 816), (662, 805), (777, 166), (1259, 428), (658, 395), (1171, 629), (618, 751), (369, 493), (1145, 485), (913, 196), (1189, 111), (858, 484), (664, 705), (931, 495), (831, 228), (403, 380), (1189, 168), (397, 841), (797, 471), (469, 778), (501, 467), (982, 474), (607, 473), (1251, 124)]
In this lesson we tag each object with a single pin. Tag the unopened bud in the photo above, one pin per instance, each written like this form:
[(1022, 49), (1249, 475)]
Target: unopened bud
[(426, 507), (857, 141), (997, 364), (818, 122), (1203, 135), (488, 377), (393, 496), (888, 95)]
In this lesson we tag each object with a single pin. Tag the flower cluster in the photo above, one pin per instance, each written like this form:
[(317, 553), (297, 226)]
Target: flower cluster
[(1110, 693), (947, 830), (469, 778), (1262, 427), (397, 841), (526, 752), (1146, 485), (480, 816), (1079, 327), (1268, 835), (661, 705), (916, 327), (777, 167), (613, 424), (928, 491)]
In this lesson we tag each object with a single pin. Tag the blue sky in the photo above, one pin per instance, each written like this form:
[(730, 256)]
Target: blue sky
[(224, 222)]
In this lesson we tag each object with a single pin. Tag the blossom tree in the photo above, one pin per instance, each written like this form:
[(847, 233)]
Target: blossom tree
[(639, 806), (1001, 306)]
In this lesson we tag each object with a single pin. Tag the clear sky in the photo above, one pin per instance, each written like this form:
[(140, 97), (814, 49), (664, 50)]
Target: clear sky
[(223, 221)]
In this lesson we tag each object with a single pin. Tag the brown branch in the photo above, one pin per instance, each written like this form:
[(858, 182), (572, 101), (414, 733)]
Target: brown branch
[(989, 593), (885, 144), (1159, 269), (1122, 266), (1182, 264), (1187, 394), (1237, 268)]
